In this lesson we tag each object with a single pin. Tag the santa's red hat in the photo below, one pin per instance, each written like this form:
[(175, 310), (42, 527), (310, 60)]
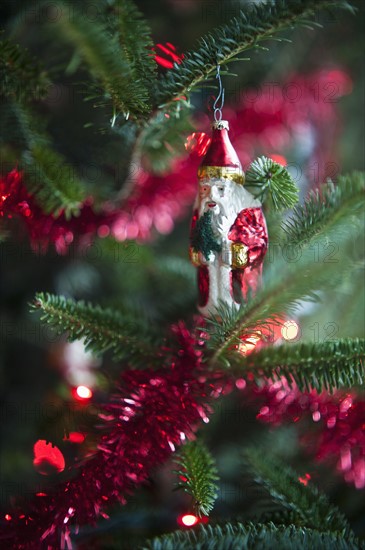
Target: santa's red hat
[(221, 160)]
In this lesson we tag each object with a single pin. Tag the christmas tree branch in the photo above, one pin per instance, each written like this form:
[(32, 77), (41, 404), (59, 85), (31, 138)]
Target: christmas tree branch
[(198, 476), (101, 329), (47, 175), (324, 366), (225, 43), (287, 282), (286, 285), (267, 177), (119, 62), (325, 207), (22, 78), (163, 136), (134, 36), (279, 297), (249, 535), (306, 506)]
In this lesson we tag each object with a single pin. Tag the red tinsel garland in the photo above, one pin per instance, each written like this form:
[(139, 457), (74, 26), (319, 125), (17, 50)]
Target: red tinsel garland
[(148, 416), (154, 205), (302, 113), (153, 411), (340, 436), (44, 229)]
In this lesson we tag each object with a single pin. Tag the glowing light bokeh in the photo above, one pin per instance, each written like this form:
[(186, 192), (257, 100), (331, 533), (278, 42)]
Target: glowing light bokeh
[(83, 392), (189, 520), (290, 330)]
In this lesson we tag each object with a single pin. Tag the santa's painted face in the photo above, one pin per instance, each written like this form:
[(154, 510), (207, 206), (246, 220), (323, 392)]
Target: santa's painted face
[(215, 196)]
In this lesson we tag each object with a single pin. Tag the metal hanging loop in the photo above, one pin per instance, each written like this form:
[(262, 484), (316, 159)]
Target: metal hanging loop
[(218, 109)]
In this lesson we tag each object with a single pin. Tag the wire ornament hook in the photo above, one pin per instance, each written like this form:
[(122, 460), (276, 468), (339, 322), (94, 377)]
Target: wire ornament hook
[(218, 110)]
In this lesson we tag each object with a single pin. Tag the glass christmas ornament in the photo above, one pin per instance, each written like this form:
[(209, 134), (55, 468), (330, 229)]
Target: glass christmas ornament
[(228, 239)]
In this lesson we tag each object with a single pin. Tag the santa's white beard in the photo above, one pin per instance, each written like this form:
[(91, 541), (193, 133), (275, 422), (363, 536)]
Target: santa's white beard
[(216, 221)]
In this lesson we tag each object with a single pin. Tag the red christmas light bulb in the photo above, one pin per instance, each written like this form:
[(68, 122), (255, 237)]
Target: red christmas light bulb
[(188, 520), (82, 393)]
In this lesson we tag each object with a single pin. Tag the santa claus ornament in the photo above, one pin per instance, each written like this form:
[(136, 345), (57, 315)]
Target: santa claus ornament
[(228, 239)]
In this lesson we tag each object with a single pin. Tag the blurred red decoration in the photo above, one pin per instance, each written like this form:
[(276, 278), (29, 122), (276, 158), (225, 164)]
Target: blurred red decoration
[(339, 435), (304, 480), (278, 158), (168, 56), (43, 229), (241, 383), (157, 201), (198, 142), (48, 459), (75, 437)]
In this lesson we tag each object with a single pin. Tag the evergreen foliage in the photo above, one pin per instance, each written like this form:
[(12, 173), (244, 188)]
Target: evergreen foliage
[(21, 77), (267, 177), (47, 174), (134, 36), (109, 56), (293, 275), (260, 22), (306, 505), (327, 365), (198, 476), (118, 52), (325, 207), (163, 136), (203, 239), (100, 329), (249, 536)]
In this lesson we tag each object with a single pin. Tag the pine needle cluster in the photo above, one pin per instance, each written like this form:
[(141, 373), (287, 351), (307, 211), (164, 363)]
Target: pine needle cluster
[(198, 476)]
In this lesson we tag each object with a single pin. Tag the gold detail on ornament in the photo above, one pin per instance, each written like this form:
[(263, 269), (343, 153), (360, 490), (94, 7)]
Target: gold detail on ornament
[(231, 173), (194, 257), (239, 256), (220, 125)]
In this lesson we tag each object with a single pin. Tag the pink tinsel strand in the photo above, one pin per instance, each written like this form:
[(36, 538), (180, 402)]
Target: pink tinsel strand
[(149, 415), (43, 229), (339, 435)]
